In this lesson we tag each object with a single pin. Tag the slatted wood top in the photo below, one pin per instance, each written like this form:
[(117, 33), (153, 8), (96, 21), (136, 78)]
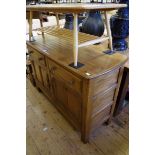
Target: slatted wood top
[(67, 34), (74, 8), (61, 51)]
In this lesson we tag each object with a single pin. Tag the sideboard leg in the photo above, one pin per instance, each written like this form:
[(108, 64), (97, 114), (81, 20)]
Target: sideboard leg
[(107, 23), (116, 92), (84, 138)]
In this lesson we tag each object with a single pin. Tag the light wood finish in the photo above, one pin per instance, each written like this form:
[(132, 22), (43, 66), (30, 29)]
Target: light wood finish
[(74, 8), (107, 21), (78, 8), (67, 34), (61, 51), (41, 24), (92, 42), (30, 26), (36, 15), (73, 91), (57, 19), (48, 133), (75, 39), (86, 39)]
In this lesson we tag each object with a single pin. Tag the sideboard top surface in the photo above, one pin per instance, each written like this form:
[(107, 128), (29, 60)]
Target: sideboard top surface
[(74, 8), (95, 61)]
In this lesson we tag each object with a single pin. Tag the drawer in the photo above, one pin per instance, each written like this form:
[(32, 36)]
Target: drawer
[(104, 82), (102, 100), (62, 74), (100, 118), (36, 56)]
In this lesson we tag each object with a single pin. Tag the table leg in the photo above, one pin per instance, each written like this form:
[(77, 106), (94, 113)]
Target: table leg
[(75, 39), (57, 20), (75, 64), (107, 22), (41, 24), (30, 26)]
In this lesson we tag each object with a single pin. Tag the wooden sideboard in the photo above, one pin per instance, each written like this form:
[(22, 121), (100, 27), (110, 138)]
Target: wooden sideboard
[(85, 96)]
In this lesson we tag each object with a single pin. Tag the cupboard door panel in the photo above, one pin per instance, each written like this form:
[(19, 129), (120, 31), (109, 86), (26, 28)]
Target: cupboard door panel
[(45, 78), (60, 92), (74, 104), (70, 79), (36, 69)]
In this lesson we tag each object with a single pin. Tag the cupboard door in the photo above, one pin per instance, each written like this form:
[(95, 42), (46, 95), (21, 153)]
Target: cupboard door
[(69, 99), (74, 104), (36, 71), (40, 74), (44, 78), (60, 92)]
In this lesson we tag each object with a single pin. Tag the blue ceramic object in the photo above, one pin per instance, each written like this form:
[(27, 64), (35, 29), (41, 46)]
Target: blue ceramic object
[(120, 27), (93, 24), (69, 21)]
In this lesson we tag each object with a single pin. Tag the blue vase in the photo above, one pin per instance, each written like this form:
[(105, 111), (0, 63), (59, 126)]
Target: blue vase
[(69, 21), (120, 27), (93, 24)]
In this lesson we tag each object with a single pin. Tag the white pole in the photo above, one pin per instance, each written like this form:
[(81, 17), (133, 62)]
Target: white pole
[(108, 29), (75, 41)]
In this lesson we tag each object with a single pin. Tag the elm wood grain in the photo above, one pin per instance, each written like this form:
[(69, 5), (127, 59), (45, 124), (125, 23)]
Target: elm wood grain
[(67, 34), (86, 111), (74, 8), (100, 101), (66, 76), (40, 72), (72, 92), (68, 101), (92, 57), (102, 83), (61, 133)]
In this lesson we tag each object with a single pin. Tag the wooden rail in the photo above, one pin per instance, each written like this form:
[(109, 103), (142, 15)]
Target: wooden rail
[(83, 39)]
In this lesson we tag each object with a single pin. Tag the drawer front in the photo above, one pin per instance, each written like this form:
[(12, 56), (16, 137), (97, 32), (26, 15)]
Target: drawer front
[(62, 74), (104, 82), (102, 100), (37, 57), (100, 118)]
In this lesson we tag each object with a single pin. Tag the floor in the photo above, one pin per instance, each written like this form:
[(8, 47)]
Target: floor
[(48, 133)]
